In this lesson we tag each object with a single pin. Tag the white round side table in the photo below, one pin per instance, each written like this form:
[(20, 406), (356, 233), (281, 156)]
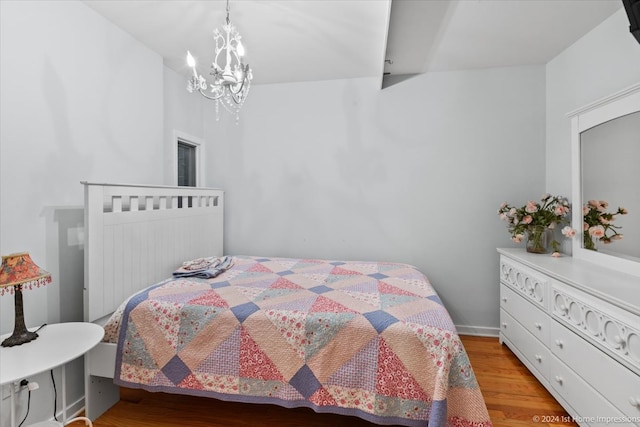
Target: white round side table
[(56, 345)]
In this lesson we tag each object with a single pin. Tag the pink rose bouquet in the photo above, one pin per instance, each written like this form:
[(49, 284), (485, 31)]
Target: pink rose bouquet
[(534, 219), (598, 223)]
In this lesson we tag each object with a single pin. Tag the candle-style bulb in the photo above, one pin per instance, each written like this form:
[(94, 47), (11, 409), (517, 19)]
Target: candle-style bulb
[(191, 62)]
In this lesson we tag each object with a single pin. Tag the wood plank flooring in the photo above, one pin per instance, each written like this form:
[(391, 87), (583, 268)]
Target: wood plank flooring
[(513, 396)]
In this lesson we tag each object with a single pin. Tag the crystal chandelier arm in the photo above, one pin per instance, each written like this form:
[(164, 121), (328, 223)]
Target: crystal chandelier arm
[(213, 98), (236, 98), (240, 85), (200, 84)]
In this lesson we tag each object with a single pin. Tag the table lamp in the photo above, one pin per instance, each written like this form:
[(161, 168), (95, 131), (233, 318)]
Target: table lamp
[(18, 271)]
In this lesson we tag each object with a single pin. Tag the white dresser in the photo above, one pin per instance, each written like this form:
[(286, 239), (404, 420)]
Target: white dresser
[(576, 326)]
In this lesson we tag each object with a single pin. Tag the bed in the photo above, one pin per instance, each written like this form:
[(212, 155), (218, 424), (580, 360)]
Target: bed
[(369, 339)]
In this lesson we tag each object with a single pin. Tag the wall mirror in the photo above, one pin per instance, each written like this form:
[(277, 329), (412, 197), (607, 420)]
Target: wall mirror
[(606, 167)]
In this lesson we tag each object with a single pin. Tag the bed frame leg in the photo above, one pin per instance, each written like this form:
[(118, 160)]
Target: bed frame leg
[(100, 395)]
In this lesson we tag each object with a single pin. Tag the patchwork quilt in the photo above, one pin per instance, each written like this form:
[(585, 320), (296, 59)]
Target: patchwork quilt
[(357, 338)]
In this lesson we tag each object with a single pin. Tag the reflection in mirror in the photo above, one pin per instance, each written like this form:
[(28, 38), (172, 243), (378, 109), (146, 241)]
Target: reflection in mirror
[(610, 166)]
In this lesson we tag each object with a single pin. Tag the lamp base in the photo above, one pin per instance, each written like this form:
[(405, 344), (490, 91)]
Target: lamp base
[(20, 334), (19, 337)]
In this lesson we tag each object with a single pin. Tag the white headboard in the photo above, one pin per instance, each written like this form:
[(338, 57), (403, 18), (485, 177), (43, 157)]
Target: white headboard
[(136, 236)]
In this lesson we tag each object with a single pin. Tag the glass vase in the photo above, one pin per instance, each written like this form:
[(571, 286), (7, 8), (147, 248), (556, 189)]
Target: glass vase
[(537, 240), (589, 242)]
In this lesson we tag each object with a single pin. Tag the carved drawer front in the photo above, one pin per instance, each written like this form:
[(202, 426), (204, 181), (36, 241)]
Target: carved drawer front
[(610, 328), (525, 281), (590, 407), (532, 318), (533, 350), (615, 382)]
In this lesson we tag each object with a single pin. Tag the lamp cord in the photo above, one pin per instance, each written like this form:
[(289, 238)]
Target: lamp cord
[(55, 400), (29, 391), (55, 396), (27, 414)]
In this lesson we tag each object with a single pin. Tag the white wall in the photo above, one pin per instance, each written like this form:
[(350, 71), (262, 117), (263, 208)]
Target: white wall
[(81, 100), (183, 113), (601, 63), (414, 173)]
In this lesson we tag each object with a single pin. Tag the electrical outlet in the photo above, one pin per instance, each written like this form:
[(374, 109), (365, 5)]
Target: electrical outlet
[(6, 391), (17, 388)]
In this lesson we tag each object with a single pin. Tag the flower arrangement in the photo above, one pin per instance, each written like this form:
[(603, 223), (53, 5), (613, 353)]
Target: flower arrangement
[(533, 220), (598, 223)]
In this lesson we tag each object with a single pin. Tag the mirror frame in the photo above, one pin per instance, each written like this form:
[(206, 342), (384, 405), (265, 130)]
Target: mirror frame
[(621, 103)]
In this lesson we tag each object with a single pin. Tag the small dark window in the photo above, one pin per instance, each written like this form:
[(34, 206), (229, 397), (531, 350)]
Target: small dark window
[(186, 164)]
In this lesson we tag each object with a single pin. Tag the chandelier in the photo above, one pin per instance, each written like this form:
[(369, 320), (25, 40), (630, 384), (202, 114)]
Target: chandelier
[(231, 78)]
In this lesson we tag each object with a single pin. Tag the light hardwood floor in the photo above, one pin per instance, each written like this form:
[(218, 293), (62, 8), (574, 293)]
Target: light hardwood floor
[(513, 396)]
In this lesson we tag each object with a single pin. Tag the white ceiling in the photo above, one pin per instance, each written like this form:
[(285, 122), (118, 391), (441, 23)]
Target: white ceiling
[(309, 40)]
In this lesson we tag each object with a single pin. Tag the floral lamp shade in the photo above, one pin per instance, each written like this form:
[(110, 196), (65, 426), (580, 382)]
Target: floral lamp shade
[(17, 272)]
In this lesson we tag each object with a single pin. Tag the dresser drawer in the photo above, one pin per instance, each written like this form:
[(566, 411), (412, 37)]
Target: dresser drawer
[(592, 409), (610, 328), (613, 381), (532, 318), (527, 282), (533, 350)]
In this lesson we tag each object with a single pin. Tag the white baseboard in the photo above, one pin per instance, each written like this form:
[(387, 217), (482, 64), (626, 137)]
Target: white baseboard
[(479, 331), (73, 410)]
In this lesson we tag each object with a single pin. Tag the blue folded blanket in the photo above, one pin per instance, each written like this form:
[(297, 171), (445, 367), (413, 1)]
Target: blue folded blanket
[(211, 268)]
